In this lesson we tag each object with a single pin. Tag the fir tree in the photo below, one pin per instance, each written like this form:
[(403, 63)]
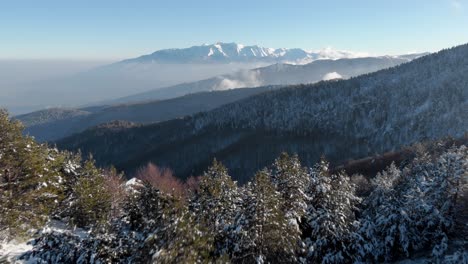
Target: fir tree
[(292, 181), (384, 229), (263, 230), (31, 183), (330, 216), (188, 241), (143, 229), (91, 202), (215, 204)]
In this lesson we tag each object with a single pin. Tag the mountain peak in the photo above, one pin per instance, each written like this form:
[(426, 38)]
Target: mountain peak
[(223, 52)]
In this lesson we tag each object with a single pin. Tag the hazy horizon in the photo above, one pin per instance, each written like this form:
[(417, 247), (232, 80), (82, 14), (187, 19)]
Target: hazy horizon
[(118, 29), (51, 51)]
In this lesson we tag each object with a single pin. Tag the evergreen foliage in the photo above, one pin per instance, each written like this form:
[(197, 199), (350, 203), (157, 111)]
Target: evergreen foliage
[(215, 204), (32, 184), (263, 229), (286, 214), (91, 203), (330, 218)]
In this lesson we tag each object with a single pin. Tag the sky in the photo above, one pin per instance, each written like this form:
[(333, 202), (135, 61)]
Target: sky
[(115, 29)]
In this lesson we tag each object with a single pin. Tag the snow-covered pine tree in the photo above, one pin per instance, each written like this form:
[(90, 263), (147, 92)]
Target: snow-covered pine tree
[(262, 229), (91, 203), (452, 178), (142, 230), (215, 204), (32, 185), (188, 241), (292, 181), (413, 208), (148, 224), (437, 183), (330, 218), (384, 231)]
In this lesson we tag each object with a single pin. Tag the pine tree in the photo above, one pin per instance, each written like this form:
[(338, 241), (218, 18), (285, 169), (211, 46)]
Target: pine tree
[(143, 229), (215, 205), (330, 216), (31, 183), (292, 181), (263, 231), (91, 202), (413, 208), (188, 241), (384, 228), (436, 186)]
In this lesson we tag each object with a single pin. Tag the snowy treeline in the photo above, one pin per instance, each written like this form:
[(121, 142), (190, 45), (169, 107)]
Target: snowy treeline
[(76, 212), (38, 183), (288, 213)]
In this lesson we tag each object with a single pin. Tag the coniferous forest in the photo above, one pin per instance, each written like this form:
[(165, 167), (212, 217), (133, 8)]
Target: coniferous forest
[(76, 212), (243, 132)]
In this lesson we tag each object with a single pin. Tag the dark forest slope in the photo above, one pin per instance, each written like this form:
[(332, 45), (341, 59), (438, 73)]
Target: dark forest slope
[(56, 123), (347, 119)]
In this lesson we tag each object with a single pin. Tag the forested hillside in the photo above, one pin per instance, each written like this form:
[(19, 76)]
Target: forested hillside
[(346, 119), (70, 211), (125, 140), (56, 123), (153, 106)]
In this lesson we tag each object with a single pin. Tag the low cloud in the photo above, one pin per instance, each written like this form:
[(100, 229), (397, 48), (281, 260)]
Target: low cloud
[(241, 79), (331, 76)]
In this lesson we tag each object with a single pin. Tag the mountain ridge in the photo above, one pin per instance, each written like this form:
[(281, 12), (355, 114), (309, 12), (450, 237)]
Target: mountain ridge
[(133, 76), (275, 74), (344, 119), (56, 123), (233, 52), (133, 108)]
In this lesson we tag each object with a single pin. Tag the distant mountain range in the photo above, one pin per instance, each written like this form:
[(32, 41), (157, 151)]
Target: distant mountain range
[(239, 53), (55, 123), (276, 74), (341, 119), (160, 69)]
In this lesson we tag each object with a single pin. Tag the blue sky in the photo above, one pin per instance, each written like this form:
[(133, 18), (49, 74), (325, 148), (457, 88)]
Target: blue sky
[(121, 29)]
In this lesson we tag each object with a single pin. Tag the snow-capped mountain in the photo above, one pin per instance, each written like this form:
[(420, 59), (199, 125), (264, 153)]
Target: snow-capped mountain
[(52, 124), (378, 112), (233, 52), (166, 68)]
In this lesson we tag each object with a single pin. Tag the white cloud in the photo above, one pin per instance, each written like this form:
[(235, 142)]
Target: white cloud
[(331, 76), (241, 79)]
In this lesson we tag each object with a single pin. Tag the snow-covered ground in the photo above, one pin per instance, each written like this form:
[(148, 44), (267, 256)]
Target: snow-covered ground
[(10, 251)]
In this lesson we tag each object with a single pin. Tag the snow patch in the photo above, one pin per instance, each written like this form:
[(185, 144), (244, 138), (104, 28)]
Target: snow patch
[(220, 49), (133, 185), (240, 47), (12, 250), (133, 182)]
